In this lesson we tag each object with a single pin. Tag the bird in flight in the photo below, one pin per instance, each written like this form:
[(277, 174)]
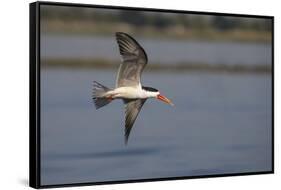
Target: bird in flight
[(128, 82)]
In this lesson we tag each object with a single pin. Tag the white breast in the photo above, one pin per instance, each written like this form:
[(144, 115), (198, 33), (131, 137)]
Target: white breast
[(128, 92)]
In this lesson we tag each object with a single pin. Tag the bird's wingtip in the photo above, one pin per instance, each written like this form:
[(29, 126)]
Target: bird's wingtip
[(126, 136), (126, 141), (119, 33), (122, 34)]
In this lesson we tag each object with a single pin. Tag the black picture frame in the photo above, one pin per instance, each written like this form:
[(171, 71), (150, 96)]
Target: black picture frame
[(34, 94)]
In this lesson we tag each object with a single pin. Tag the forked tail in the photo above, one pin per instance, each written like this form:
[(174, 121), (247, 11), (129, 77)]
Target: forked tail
[(98, 95)]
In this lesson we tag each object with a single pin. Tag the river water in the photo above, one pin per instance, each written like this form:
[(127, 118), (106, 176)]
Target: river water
[(220, 124)]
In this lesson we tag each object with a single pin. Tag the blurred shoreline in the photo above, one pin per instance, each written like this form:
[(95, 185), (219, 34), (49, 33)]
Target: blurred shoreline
[(174, 32), (154, 67)]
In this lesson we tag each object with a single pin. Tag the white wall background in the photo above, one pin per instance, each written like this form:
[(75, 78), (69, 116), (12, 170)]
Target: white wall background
[(14, 73)]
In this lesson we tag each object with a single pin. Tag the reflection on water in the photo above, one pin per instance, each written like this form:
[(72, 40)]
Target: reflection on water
[(106, 154), (221, 123)]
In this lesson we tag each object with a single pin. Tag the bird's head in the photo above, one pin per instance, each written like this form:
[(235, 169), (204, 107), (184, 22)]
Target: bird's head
[(154, 93)]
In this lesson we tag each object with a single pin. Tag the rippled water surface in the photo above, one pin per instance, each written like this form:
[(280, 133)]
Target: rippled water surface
[(221, 123)]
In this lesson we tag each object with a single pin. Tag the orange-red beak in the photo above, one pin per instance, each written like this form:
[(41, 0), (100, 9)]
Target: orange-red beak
[(164, 99)]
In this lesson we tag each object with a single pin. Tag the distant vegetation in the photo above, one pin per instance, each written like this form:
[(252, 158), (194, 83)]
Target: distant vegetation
[(73, 20), (92, 21)]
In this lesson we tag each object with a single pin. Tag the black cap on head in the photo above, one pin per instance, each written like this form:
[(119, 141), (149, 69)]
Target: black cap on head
[(149, 89)]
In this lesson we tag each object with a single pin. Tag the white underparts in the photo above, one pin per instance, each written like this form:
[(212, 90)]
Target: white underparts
[(130, 93)]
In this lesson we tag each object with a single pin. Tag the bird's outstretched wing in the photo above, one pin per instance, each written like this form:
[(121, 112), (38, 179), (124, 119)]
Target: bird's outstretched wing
[(134, 60), (132, 109)]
